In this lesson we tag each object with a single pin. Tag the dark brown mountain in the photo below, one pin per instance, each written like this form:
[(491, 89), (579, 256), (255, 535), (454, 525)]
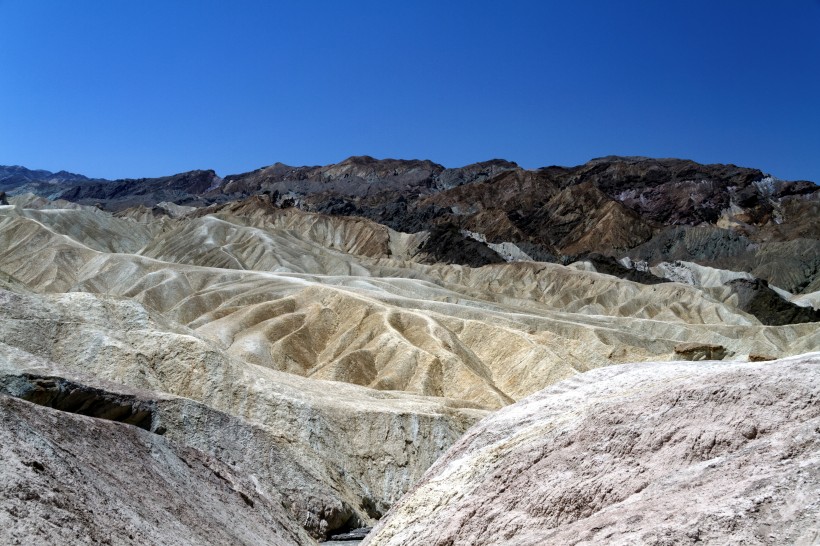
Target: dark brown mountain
[(16, 179), (184, 188), (359, 176)]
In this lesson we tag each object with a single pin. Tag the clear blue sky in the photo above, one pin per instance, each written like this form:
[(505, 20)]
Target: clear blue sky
[(145, 88)]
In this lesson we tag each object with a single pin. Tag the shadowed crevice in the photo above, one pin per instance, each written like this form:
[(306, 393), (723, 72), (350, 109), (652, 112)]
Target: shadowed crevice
[(66, 395)]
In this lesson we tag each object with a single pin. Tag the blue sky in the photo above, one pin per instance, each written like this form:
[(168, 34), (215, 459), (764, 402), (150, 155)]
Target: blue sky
[(132, 89)]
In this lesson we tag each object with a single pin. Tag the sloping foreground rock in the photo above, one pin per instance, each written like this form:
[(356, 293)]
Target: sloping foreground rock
[(72, 479), (339, 455), (651, 453)]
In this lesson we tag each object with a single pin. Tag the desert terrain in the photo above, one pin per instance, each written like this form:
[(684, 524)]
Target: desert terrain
[(474, 355)]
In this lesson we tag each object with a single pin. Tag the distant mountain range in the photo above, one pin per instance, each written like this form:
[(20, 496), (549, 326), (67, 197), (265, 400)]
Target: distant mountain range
[(15, 177), (611, 208)]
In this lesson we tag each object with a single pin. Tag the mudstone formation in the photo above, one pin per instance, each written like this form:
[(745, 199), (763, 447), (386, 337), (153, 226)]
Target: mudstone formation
[(619, 352)]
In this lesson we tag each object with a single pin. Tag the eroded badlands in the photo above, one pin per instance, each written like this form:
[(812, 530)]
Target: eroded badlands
[(256, 360)]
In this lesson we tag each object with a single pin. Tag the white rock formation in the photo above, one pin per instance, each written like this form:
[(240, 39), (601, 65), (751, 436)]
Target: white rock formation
[(651, 453)]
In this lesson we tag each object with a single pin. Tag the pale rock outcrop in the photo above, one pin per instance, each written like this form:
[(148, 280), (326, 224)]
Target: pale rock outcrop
[(811, 299), (28, 200), (88, 226), (650, 453)]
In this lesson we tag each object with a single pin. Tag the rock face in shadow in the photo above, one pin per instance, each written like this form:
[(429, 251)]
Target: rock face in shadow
[(66, 395), (755, 297), (791, 264), (610, 266), (700, 351), (72, 479), (446, 244), (654, 453)]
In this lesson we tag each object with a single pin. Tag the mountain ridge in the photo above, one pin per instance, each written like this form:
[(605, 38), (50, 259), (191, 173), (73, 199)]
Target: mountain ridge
[(630, 207)]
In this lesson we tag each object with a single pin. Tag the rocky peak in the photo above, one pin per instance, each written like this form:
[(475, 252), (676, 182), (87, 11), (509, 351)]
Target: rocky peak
[(475, 172), (372, 170), (674, 191), (613, 172)]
